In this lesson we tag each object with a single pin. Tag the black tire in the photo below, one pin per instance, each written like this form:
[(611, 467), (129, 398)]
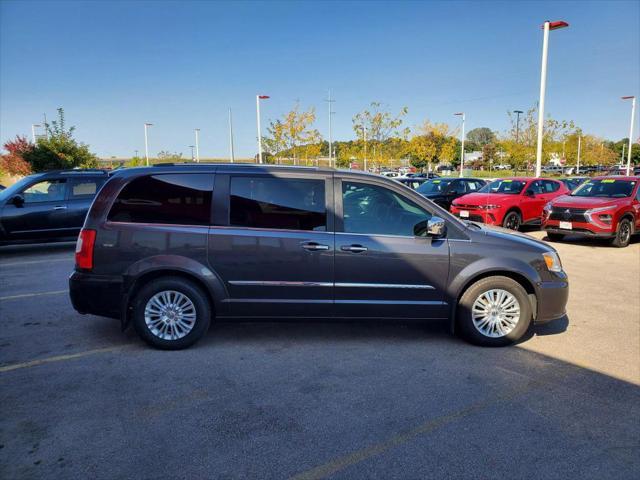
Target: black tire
[(512, 221), (555, 237), (464, 318), (185, 287), (623, 233)]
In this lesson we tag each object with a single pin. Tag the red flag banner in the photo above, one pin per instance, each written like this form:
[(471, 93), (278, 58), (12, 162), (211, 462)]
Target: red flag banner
[(263, 96)]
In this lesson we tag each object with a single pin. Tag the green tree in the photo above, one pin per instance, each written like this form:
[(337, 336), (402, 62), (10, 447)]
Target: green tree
[(165, 156), (292, 136), (481, 136), (59, 150)]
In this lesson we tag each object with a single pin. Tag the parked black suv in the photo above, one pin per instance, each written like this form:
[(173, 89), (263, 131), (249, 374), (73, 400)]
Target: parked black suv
[(169, 248), (443, 191), (48, 206)]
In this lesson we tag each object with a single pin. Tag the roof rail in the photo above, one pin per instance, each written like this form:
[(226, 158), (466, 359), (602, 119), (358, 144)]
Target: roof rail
[(84, 170)]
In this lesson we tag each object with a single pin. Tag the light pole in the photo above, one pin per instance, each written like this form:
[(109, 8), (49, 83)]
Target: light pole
[(197, 131), (518, 112), (633, 114), (191, 147), (230, 137), (146, 142), (543, 86), (364, 138), (33, 131), (258, 98), (578, 160), (331, 112), (461, 114)]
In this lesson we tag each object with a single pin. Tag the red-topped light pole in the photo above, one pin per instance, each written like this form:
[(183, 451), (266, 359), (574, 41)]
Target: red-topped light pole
[(547, 26), (633, 114)]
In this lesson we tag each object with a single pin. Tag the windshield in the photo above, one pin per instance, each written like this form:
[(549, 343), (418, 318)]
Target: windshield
[(434, 186), (511, 187), (607, 187), (15, 188)]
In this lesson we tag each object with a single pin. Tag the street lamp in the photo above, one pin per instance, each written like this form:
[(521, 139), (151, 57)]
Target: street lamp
[(633, 114), (258, 98), (33, 131), (518, 112), (461, 114), (543, 86), (191, 147), (146, 142), (197, 130)]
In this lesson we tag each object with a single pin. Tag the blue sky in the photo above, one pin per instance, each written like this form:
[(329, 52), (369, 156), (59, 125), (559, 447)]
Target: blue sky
[(181, 65)]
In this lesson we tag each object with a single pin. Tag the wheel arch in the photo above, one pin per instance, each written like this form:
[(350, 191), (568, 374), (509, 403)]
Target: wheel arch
[(518, 277), (193, 271)]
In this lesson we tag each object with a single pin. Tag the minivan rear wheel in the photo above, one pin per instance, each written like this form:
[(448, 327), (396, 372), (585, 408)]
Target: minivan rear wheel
[(494, 312), (171, 313)]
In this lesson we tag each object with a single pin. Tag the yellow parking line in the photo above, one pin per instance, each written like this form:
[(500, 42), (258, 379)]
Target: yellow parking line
[(340, 463), (59, 358), (27, 295)]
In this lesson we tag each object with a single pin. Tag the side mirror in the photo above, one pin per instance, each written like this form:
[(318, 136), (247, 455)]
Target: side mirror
[(530, 193), (18, 200), (434, 227)]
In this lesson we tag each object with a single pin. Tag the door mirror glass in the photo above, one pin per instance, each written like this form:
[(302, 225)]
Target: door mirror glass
[(433, 227), (17, 200)]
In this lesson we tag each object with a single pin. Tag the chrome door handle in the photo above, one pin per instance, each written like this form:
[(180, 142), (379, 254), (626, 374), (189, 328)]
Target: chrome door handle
[(313, 246), (353, 248), (60, 207)]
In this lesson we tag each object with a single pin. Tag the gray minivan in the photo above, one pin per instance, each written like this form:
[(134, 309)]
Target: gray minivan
[(172, 247)]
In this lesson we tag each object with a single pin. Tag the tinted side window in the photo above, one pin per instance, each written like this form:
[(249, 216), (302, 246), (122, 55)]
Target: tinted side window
[(45, 191), (277, 203), (377, 210), (178, 199), (84, 188), (549, 186), (474, 186), (536, 187)]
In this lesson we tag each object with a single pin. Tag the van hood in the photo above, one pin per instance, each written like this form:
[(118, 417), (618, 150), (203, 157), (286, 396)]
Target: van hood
[(586, 202), (516, 237)]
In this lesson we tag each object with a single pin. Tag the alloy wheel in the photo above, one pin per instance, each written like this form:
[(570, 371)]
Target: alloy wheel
[(170, 315), (495, 313)]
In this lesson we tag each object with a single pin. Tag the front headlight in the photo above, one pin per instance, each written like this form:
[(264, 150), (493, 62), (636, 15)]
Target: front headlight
[(552, 260), (547, 208), (488, 207), (588, 214)]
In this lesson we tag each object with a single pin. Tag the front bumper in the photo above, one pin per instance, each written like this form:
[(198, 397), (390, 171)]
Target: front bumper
[(490, 217), (552, 299), (578, 228), (96, 294)]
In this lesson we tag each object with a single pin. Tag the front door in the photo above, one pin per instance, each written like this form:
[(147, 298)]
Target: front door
[(42, 213), (273, 245), (381, 268)]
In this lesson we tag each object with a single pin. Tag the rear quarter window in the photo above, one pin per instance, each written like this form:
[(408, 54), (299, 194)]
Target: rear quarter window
[(177, 199)]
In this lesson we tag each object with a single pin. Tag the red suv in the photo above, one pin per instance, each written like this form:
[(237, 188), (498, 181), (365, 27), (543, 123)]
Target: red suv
[(604, 207), (509, 202)]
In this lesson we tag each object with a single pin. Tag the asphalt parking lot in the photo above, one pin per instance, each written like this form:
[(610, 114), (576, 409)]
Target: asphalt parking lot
[(80, 399)]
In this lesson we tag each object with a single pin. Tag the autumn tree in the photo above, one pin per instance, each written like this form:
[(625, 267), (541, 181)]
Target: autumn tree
[(376, 127), (14, 163), (292, 136)]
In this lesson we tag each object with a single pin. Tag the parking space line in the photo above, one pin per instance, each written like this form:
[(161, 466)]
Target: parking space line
[(59, 358), (38, 294), (340, 463), (32, 262)]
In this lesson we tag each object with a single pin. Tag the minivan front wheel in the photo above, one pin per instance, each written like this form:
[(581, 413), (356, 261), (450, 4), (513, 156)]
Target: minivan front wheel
[(171, 313), (494, 312)]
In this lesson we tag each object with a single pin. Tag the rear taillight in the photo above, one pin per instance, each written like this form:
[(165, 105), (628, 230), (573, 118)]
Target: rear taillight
[(84, 249)]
